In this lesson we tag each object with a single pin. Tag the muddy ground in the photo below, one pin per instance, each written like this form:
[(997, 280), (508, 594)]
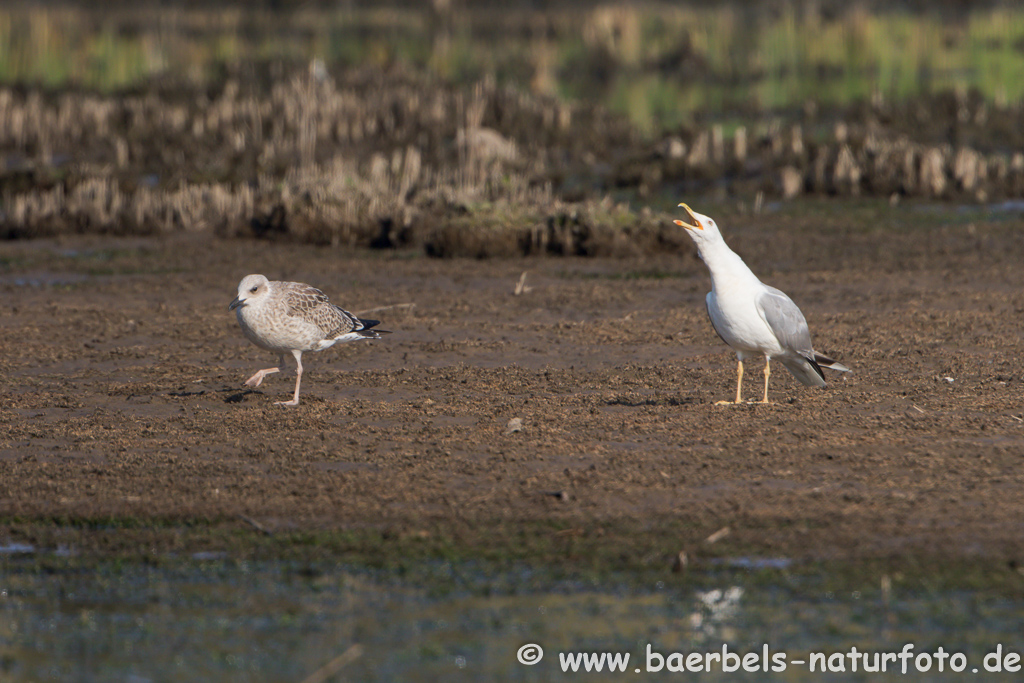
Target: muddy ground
[(123, 409)]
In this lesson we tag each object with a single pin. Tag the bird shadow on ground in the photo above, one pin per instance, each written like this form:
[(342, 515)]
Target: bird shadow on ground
[(239, 396), (187, 394), (235, 395), (666, 401)]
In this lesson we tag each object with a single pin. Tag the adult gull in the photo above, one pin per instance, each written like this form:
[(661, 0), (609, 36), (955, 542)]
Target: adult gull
[(751, 317)]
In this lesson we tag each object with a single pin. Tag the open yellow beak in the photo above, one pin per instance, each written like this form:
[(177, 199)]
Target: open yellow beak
[(696, 223)]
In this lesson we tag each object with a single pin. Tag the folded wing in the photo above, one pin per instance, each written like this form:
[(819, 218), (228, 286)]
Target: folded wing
[(313, 306), (790, 327)]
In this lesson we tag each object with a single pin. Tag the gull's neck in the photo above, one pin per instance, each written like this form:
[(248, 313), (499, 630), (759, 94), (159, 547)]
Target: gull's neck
[(725, 265)]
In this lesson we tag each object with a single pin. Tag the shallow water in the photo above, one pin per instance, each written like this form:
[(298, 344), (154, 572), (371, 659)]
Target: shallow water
[(221, 620)]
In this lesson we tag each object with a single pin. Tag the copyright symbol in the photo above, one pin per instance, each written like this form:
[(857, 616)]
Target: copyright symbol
[(530, 654)]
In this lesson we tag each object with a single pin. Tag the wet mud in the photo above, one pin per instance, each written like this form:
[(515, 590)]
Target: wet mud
[(122, 405)]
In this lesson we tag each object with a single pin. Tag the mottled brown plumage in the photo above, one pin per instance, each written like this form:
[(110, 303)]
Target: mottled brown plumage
[(312, 305)]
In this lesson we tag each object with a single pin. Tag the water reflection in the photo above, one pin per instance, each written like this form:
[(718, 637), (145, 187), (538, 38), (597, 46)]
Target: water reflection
[(237, 621)]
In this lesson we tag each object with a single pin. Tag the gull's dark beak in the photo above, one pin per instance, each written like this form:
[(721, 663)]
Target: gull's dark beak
[(696, 223), (235, 304)]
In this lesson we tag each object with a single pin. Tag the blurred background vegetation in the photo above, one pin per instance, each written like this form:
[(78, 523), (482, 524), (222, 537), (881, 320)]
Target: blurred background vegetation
[(659, 64), (478, 127)]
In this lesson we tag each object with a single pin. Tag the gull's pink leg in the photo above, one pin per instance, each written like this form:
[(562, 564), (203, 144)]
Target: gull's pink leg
[(298, 380), (257, 379)]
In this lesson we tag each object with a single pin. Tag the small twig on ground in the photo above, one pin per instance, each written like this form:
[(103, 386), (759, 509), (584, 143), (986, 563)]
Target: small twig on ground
[(256, 525), (335, 665), (718, 535), (521, 287), (679, 562)]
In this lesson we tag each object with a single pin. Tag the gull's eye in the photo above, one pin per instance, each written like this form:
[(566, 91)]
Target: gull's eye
[(253, 290)]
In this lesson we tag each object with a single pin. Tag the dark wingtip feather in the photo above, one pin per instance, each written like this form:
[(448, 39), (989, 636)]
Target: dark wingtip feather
[(826, 362), (367, 332), (817, 369)]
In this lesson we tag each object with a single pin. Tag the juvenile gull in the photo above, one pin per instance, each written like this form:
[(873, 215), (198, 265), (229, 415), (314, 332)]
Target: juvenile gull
[(292, 317), (751, 317)]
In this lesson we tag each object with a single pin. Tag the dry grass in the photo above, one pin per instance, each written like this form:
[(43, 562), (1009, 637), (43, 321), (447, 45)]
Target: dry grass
[(371, 158)]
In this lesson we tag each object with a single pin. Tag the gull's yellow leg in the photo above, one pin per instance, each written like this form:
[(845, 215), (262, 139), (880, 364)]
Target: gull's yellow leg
[(767, 374), (739, 387), (739, 382)]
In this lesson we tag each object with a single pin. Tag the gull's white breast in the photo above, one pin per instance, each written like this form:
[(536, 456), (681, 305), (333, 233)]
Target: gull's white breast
[(734, 311)]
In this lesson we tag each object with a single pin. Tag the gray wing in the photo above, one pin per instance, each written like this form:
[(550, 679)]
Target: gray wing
[(313, 306), (786, 321)]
